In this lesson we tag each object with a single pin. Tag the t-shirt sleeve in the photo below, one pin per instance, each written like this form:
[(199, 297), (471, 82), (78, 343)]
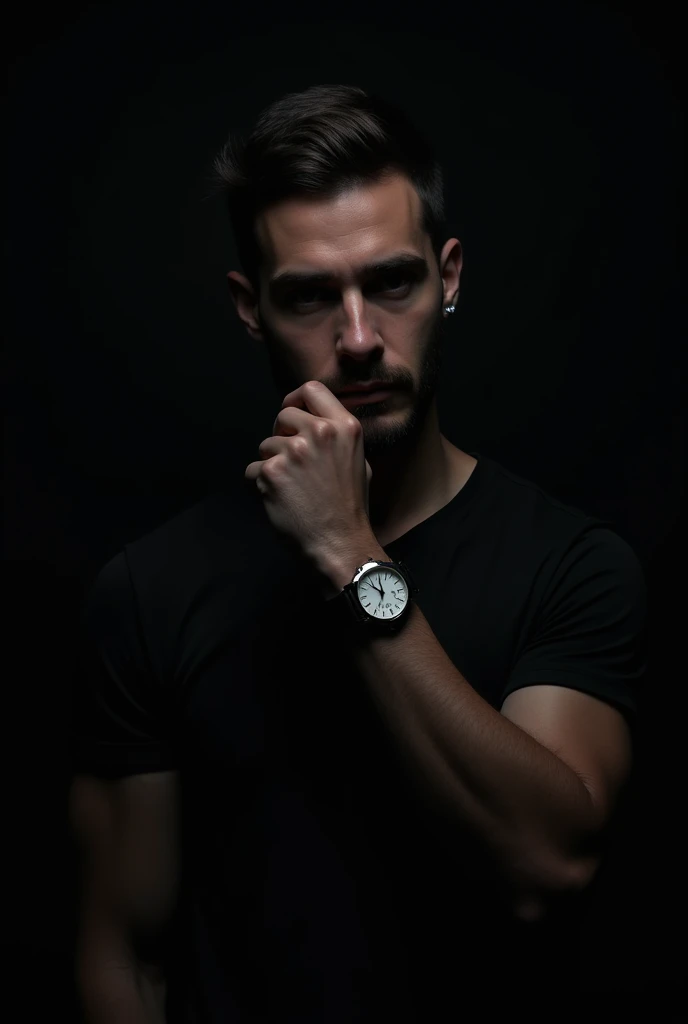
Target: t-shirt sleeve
[(590, 631), (118, 720)]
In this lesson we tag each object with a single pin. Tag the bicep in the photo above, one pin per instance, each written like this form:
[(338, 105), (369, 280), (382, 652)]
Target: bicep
[(589, 735), (127, 835)]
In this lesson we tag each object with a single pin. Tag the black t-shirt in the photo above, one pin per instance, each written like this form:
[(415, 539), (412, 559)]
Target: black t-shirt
[(316, 884)]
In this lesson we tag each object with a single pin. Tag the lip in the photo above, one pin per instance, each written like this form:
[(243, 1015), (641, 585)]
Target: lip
[(349, 398), (375, 385)]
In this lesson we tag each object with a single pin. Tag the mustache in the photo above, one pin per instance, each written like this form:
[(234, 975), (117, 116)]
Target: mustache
[(286, 377)]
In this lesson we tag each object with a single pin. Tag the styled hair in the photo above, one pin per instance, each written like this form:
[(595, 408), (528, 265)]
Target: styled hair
[(321, 142)]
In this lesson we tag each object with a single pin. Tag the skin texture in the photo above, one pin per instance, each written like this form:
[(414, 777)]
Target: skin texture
[(356, 331)]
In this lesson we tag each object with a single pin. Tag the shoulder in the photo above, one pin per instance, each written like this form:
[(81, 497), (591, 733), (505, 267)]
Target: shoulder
[(211, 559), (563, 533), (222, 533)]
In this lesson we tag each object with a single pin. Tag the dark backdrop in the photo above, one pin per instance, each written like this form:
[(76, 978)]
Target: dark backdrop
[(131, 388)]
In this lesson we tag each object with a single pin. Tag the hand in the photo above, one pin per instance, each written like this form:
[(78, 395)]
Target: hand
[(313, 475)]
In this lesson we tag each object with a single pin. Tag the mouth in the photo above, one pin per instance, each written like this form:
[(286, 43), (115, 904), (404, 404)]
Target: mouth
[(352, 398)]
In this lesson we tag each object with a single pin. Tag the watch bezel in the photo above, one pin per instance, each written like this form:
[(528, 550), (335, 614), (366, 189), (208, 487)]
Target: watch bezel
[(366, 569)]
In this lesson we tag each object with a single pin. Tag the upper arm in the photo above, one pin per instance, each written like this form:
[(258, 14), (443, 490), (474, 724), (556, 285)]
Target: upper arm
[(127, 835), (589, 735)]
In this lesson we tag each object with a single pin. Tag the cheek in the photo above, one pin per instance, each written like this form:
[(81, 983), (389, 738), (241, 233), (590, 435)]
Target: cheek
[(422, 323), (300, 351)]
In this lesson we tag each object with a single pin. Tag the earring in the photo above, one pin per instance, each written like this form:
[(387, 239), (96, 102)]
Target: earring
[(449, 309)]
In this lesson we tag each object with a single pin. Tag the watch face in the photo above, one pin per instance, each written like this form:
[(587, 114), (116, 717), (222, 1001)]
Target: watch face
[(382, 592)]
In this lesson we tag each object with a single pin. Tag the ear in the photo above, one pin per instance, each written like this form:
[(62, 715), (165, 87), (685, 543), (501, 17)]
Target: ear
[(451, 262), (244, 299)]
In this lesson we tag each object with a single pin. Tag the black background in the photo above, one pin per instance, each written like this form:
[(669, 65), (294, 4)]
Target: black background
[(131, 387)]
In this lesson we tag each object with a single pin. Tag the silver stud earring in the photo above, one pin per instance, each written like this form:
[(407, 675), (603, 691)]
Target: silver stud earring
[(449, 309)]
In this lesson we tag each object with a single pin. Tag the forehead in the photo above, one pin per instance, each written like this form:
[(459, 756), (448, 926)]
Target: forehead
[(337, 234)]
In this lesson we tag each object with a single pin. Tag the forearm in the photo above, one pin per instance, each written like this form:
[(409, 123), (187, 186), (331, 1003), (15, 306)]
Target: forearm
[(114, 988), (529, 809)]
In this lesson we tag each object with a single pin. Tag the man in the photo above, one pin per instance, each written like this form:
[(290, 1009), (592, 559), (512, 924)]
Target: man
[(310, 786)]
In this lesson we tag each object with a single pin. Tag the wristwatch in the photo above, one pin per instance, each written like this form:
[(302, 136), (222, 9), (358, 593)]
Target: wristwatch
[(378, 599)]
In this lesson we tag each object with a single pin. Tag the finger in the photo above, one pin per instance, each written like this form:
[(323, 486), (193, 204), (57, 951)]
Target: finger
[(272, 446), (291, 421), (253, 477), (317, 398)]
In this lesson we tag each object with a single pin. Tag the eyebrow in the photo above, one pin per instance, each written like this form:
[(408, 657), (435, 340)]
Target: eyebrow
[(398, 261)]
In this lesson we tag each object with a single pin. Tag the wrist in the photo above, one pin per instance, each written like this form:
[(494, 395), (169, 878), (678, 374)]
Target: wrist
[(335, 564)]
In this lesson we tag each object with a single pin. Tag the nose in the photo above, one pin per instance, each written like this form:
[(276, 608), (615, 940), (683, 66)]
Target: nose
[(357, 333)]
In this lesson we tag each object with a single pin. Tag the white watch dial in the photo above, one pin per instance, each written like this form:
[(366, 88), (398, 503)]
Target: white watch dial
[(382, 592)]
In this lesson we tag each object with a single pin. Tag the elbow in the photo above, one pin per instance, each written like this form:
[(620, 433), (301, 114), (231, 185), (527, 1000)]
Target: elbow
[(538, 894)]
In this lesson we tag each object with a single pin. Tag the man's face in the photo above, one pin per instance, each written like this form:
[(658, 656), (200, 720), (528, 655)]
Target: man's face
[(355, 326)]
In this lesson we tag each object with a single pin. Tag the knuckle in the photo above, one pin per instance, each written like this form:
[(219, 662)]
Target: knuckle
[(324, 430), (299, 447)]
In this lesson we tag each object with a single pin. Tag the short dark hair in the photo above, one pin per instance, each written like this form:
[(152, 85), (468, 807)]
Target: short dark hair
[(321, 142)]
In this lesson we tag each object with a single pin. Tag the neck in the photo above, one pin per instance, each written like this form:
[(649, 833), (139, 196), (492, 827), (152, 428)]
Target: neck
[(408, 486)]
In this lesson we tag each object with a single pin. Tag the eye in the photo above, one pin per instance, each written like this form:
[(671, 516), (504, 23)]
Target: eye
[(397, 275), (303, 297), (297, 298)]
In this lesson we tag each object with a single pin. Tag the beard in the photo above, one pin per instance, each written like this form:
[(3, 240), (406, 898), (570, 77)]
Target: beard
[(380, 438)]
